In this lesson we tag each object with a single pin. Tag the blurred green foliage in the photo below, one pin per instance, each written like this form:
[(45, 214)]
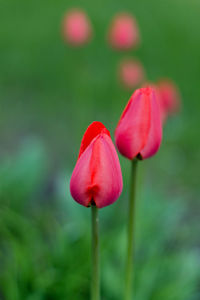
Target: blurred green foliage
[(45, 245), (49, 93)]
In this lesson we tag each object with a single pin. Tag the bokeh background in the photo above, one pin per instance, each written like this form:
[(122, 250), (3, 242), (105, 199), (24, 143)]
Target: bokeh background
[(49, 93)]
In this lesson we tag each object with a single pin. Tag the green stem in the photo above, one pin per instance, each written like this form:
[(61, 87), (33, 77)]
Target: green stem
[(130, 244), (95, 289)]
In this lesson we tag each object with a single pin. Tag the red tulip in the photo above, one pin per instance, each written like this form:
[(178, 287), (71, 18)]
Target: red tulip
[(123, 33), (139, 131), (77, 28), (169, 98), (97, 177), (131, 73)]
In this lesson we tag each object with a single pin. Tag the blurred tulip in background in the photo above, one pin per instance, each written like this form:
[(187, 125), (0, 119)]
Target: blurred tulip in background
[(169, 98), (131, 73), (123, 32), (77, 29)]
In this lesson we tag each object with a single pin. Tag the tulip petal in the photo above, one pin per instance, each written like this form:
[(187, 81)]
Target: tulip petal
[(97, 175), (92, 131), (133, 128), (155, 133), (81, 178), (106, 172)]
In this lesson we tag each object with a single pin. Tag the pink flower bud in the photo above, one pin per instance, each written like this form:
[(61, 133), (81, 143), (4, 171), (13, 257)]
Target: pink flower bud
[(97, 177), (77, 28), (139, 131), (123, 33), (131, 73), (169, 98)]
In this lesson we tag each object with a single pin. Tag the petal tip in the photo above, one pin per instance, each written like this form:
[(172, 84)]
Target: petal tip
[(94, 129)]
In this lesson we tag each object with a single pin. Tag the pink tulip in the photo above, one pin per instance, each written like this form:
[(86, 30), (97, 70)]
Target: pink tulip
[(131, 73), (97, 177), (169, 98), (139, 131), (77, 28), (123, 33)]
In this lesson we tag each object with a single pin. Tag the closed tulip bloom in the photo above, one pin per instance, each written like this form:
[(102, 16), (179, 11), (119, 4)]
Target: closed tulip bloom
[(77, 28), (96, 179), (139, 131), (169, 98), (131, 73), (123, 33)]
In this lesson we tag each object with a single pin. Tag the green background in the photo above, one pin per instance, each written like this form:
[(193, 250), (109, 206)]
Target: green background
[(49, 93)]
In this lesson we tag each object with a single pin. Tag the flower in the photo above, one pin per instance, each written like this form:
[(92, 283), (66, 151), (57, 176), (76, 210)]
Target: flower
[(169, 98), (123, 33), (139, 131), (96, 179), (77, 28), (131, 73)]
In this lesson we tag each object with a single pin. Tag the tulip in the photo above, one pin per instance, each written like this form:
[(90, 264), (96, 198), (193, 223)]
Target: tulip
[(123, 33), (96, 179), (138, 135), (169, 98), (77, 28), (139, 131), (131, 73), (97, 182)]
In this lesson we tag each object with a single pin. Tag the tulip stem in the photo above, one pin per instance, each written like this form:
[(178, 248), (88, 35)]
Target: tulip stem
[(130, 234), (95, 289)]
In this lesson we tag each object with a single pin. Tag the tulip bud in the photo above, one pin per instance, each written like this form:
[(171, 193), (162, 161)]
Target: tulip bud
[(131, 73), (96, 179), (139, 131), (123, 33), (169, 98), (77, 28)]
